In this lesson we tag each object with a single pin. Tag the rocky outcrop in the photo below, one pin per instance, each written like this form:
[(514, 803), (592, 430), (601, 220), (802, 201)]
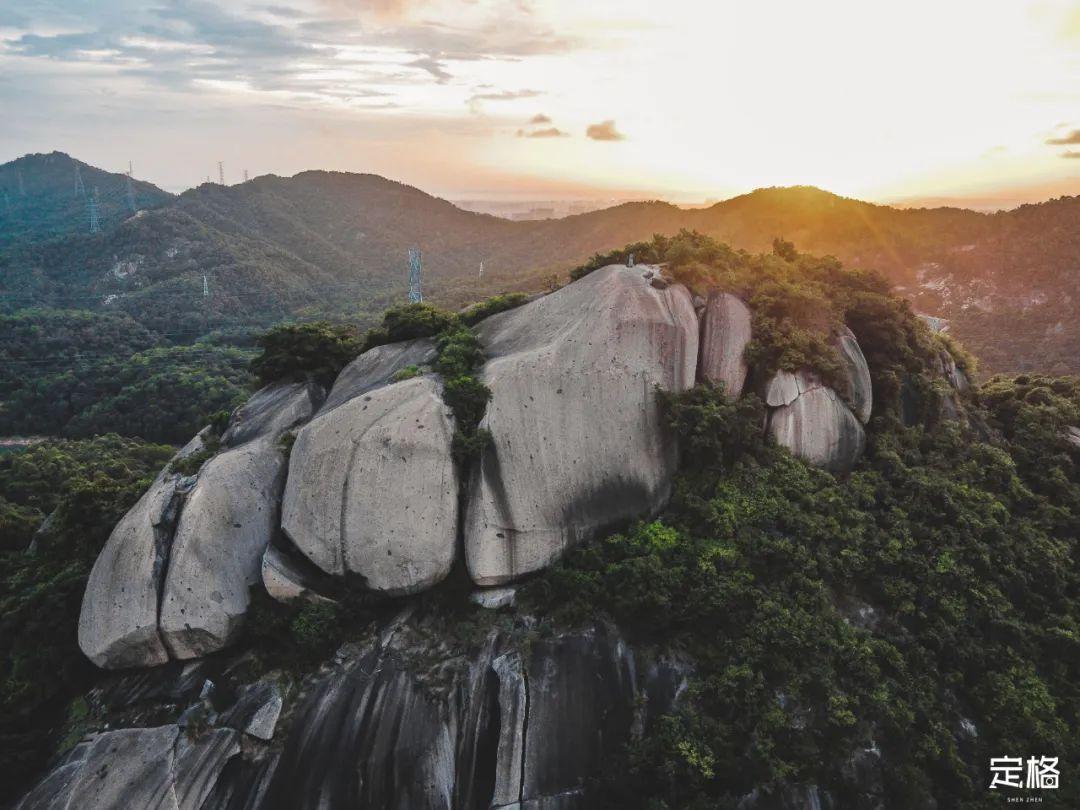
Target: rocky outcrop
[(137, 767), (173, 577), (410, 719), (227, 521), (118, 625), (372, 488), (272, 411), (377, 367), (725, 333), (814, 424), (856, 372), (579, 443)]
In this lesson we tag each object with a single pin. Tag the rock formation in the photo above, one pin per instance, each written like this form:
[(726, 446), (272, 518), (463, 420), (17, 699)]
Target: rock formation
[(857, 374), (408, 720), (373, 490), (813, 422), (578, 438), (174, 574), (216, 556), (725, 332)]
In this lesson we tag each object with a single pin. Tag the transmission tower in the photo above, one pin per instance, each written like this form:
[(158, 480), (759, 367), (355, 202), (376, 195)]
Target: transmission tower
[(130, 190), (221, 172), (416, 271), (95, 226), (22, 188), (245, 175), (79, 187), (205, 287)]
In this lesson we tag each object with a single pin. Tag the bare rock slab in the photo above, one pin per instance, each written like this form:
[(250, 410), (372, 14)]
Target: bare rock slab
[(725, 332), (857, 373), (579, 442), (226, 524), (373, 490), (818, 427), (118, 624)]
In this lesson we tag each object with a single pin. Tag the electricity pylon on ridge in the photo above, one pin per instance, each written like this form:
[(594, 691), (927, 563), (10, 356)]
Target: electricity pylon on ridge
[(80, 188), (130, 190), (221, 172), (416, 271)]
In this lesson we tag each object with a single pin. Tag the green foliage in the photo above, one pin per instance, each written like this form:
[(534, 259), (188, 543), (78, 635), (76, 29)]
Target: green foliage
[(784, 249), (492, 306), (936, 585), (315, 627), (87, 486), (408, 322), (307, 350), (406, 373), (81, 373)]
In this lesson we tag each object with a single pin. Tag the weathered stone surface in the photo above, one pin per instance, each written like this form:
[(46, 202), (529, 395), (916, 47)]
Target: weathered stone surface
[(1071, 434), (284, 580), (494, 598), (174, 576), (783, 389), (377, 367), (138, 767), (373, 490), (407, 720), (118, 623), (818, 427), (725, 331), (951, 372), (257, 709), (224, 528), (579, 443), (857, 373), (272, 411)]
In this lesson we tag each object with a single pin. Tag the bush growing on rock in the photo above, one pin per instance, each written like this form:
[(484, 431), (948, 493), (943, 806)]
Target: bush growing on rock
[(308, 350)]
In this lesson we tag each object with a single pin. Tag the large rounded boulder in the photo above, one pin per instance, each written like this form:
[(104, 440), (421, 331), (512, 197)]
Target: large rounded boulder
[(173, 577), (812, 421), (373, 490), (725, 333), (578, 439), (857, 373)]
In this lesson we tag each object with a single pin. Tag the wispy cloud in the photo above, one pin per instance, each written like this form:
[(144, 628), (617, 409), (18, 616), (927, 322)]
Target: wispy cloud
[(1070, 154), (1069, 139), (540, 118), (547, 132), (604, 131)]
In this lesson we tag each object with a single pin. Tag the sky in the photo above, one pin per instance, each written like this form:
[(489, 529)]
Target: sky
[(927, 101)]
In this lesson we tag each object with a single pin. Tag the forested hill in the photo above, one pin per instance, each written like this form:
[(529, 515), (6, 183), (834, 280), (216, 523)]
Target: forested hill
[(48, 196), (334, 244)]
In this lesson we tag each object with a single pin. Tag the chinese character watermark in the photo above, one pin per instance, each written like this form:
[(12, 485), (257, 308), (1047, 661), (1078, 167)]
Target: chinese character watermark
[(1009, 772)]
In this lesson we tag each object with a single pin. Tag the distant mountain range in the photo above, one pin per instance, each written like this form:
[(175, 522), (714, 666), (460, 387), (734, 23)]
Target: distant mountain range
[(330, 243)]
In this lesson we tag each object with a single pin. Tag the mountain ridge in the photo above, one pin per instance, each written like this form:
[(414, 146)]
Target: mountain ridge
[(322, 242)]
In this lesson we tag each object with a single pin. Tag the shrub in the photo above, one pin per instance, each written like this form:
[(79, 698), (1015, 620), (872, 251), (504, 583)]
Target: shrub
[(408, 322), (492, 306), (308, 350)]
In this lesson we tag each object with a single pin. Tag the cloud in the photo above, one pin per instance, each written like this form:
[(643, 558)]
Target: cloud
[(604, 131), (548, 132), (432, 66), (540, 119), (1071, 139), (1070, 154)]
